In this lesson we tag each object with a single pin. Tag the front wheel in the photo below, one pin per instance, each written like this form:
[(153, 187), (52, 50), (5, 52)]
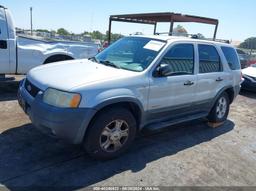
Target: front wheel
[(110, 134), (220, 109)]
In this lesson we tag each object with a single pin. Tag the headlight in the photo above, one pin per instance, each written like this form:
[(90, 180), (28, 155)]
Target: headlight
[(61, 99)]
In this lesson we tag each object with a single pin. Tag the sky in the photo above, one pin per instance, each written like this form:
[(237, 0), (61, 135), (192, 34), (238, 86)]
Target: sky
[(237, 18)]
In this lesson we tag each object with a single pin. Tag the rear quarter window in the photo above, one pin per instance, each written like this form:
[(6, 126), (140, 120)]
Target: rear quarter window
[(231, 57)]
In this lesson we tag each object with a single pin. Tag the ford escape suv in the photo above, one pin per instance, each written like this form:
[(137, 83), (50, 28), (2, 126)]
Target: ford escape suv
[(138, 82)]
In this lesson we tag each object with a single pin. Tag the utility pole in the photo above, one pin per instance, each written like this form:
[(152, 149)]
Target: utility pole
[(31, 20)]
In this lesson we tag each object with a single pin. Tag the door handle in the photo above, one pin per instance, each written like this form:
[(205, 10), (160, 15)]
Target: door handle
[(3, 44), (188, 83), (219, 79)]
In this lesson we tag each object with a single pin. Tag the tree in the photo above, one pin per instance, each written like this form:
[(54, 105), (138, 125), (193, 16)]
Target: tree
[(42, 30), (249, 43), (63, 31), (200, 36), (180, 31), (97, 35), (86, 33), (114, 36)]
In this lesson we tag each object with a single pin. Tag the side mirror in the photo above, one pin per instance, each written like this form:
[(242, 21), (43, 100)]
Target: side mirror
[(162, 70)]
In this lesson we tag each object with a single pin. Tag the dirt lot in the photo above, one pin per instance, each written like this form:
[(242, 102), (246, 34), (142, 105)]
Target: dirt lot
[(184, 155)]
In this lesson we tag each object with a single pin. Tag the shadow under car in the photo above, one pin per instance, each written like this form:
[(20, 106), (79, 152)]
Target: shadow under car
[(32, 160)]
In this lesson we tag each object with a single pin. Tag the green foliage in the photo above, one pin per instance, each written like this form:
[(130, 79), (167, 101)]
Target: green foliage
[(249, 43), (103, 37), (63, 31), (115, 37), (95, 34), (200, 36), (42, 30)]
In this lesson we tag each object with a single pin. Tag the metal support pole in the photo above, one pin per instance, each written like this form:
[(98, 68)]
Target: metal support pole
[(109, 31), (215, 31), (31, 20), (155, 28), (171, 28)]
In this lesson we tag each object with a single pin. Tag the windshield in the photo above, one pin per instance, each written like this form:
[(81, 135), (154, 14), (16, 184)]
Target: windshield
[(131, 53)]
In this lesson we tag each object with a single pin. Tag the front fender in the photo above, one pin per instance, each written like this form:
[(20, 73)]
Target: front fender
[(98, 98), (116, 100)]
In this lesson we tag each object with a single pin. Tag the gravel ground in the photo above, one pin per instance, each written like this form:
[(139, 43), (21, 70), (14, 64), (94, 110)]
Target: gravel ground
[(190, 154)]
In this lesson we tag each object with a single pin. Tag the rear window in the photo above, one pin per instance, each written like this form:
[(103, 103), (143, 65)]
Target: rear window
[(231, 57)]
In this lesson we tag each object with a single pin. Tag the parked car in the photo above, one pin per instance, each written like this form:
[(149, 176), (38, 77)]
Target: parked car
[(138, 82), (20, 54), (244, 58), (249, 75), (252, 61)]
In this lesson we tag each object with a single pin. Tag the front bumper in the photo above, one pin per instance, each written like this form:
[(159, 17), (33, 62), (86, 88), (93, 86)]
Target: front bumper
[(65, 123)]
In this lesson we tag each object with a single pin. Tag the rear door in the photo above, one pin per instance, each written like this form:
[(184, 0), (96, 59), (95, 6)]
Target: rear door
[(212, 76), (4, 50)]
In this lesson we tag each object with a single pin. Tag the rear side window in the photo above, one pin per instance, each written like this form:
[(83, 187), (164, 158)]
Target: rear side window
[(180, 59), (231, 57), (209, 59)]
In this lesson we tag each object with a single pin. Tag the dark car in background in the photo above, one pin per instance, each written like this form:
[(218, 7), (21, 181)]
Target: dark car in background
[(244, 58), (249, 75)]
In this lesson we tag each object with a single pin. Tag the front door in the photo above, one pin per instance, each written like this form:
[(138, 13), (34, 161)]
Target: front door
[(4, 50), (173, 95)]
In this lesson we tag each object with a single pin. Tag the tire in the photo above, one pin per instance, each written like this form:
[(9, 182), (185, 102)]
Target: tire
[(220, 110), (110, 134)]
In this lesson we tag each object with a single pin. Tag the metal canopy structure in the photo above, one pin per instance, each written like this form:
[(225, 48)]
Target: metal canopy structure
[(154, 18)]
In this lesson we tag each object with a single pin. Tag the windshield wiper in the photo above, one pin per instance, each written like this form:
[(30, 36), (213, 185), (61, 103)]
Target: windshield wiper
[(93, 59), (108, 63)]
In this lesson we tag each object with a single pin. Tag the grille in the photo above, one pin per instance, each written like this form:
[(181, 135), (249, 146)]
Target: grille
[(32, 89)]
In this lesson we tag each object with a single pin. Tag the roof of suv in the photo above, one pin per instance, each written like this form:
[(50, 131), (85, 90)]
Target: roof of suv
[(181, 38)]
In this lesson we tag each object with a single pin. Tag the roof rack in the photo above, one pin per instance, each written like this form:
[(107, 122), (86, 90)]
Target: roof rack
[(154, 18), (195, 36), (219, 40), (1, 6)]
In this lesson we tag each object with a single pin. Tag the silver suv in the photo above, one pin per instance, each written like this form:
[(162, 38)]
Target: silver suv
[(138, 82)]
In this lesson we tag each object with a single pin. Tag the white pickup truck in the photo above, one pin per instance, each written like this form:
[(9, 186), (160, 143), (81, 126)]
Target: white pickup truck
[(20, 54)]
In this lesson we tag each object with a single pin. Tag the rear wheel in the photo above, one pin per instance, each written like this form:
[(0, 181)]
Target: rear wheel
[(220, 109), (110, 134)]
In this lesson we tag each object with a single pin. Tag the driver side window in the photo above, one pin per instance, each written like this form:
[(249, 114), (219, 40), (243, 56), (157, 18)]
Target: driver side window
[(180, 59)]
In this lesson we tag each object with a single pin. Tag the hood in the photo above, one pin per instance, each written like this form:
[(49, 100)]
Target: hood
[(250, 71), (70, 74)]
